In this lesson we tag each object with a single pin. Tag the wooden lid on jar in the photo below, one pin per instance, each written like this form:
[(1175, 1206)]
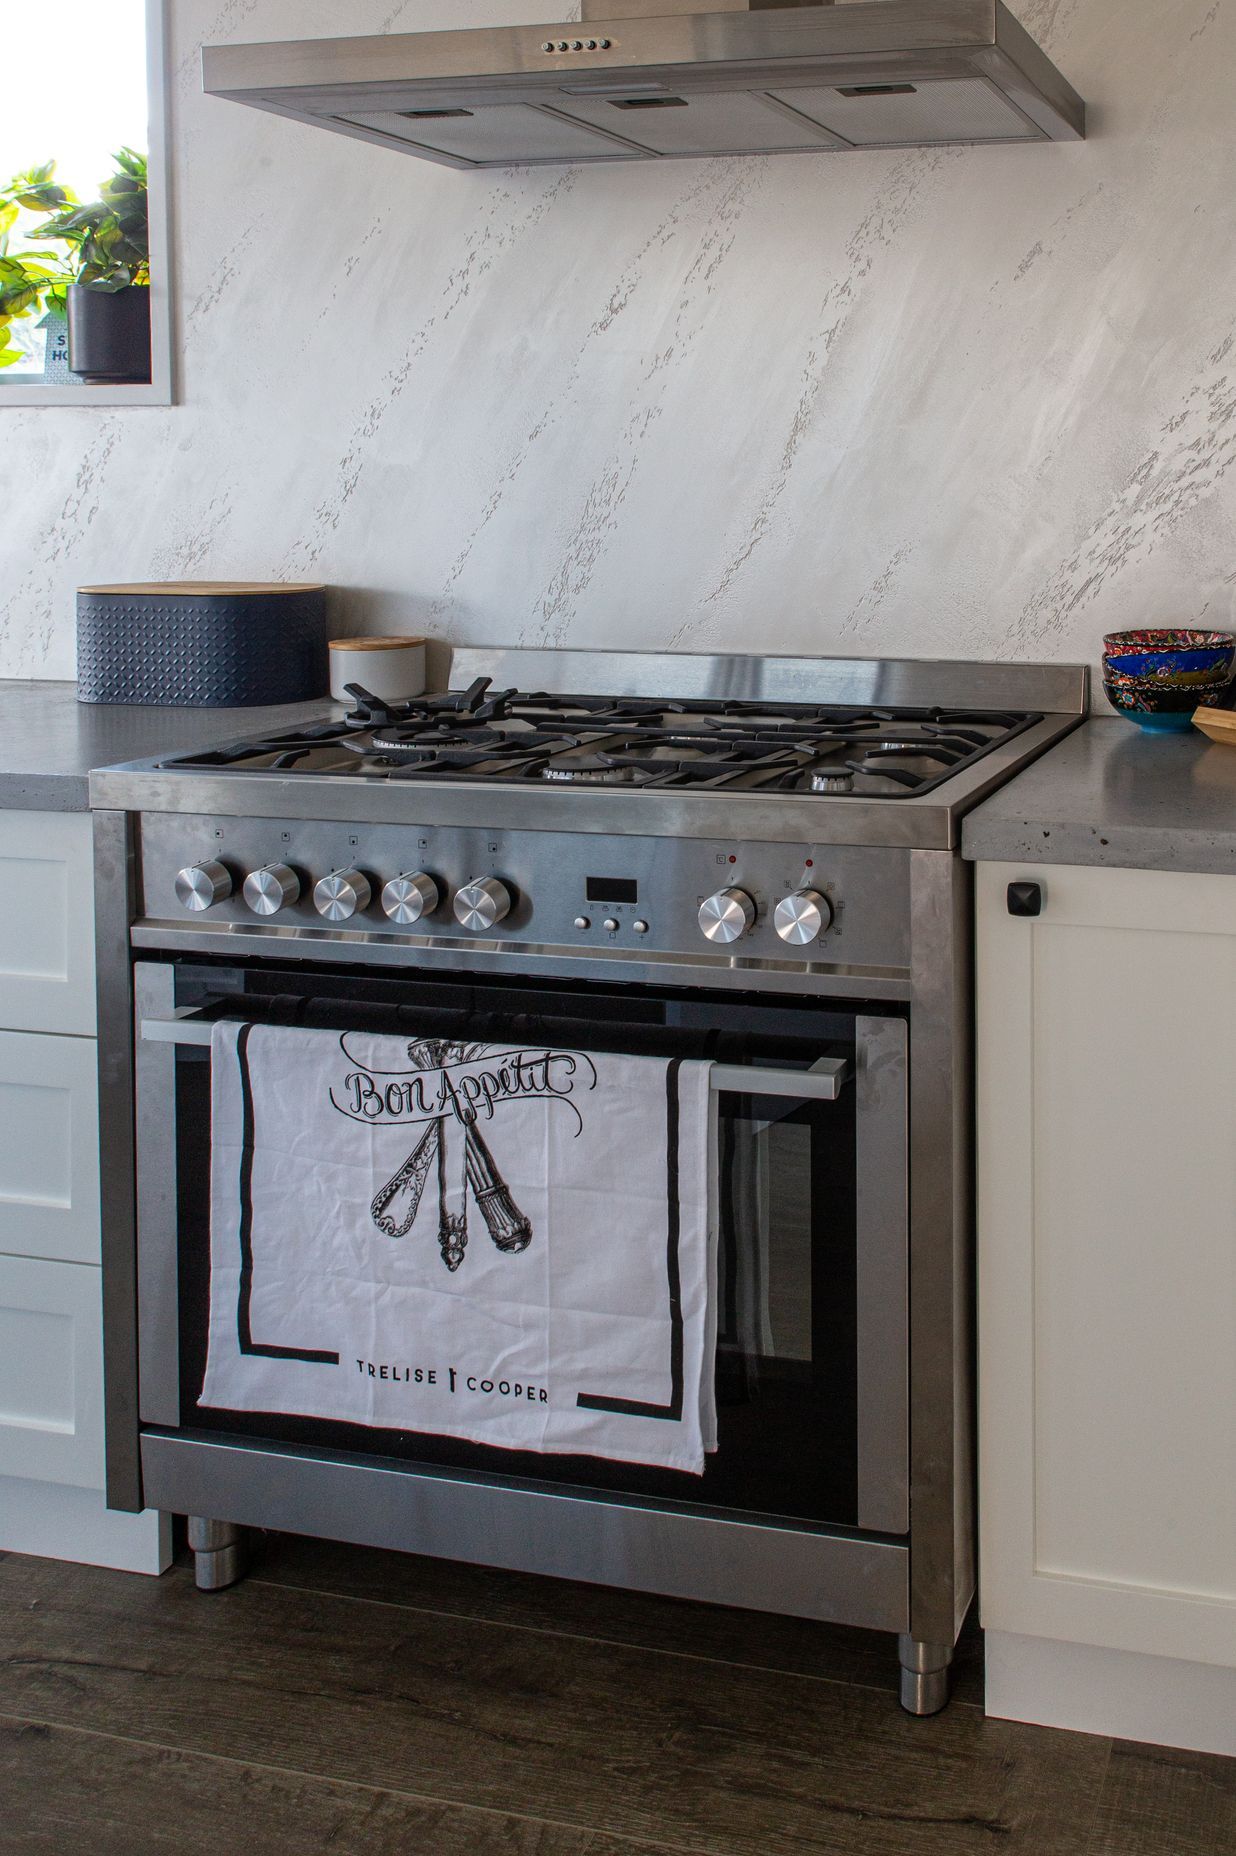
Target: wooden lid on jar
[(374, 644)]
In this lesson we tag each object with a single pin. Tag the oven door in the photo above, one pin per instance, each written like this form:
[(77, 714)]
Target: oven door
[(812, 1349)]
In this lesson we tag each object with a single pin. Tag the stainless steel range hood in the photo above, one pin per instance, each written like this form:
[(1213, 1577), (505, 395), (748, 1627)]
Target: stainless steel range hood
[(656, 78)]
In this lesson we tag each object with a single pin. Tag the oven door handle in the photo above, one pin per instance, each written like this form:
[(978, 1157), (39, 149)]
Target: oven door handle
[(185, 1028), (823, 1082)]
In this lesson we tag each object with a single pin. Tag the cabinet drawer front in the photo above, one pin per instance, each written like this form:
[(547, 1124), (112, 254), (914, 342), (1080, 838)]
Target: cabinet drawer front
[(51, 1372), (46, 923), (49, 1147)]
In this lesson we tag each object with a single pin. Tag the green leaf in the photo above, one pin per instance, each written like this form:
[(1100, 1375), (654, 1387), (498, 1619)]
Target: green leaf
[(108, 239)]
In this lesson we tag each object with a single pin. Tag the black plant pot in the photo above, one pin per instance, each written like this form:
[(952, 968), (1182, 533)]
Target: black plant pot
[(109, 333)]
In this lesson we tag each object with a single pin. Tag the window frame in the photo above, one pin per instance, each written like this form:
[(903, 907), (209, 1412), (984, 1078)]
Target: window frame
[(160, 390)]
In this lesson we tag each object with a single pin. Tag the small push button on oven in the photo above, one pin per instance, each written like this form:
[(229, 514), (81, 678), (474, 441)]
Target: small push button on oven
[(639, 927), (582, 922), (341, 895), (610, 925)]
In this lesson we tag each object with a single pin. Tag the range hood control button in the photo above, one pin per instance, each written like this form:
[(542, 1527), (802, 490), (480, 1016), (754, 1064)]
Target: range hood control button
[(727, 915), (200, 886), (482, 904), (406, 898), (802, 917), (272, 888), (342, 894)]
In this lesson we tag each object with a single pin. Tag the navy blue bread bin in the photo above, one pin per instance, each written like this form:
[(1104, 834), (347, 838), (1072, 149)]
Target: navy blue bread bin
[(202, 645)]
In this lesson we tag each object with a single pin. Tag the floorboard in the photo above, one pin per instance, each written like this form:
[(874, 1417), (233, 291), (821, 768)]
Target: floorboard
[(1159, 1802), (64, 1790), (590, 1735)]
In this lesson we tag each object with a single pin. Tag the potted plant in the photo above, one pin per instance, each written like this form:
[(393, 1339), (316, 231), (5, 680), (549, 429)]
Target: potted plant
[(32, 284), (109, 297)]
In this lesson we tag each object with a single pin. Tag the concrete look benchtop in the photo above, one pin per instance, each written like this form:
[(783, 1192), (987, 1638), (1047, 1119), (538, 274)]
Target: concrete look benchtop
[(1110, 793), (1115, 794), (49, 742)]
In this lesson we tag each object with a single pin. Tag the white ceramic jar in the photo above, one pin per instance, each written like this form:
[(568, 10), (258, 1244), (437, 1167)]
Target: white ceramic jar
[(392, 669)]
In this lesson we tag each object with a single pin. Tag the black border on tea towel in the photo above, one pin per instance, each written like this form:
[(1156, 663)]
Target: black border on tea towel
[(635, 1408), (244, 1327)]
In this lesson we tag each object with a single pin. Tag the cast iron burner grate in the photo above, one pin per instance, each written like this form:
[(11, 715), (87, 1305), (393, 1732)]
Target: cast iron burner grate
[(481, 734)]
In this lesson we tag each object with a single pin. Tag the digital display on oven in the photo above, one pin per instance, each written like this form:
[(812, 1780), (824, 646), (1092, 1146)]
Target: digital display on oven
[(611, 889)]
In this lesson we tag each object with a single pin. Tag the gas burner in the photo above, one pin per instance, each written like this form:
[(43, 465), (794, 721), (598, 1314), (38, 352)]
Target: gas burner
[(832, 782)]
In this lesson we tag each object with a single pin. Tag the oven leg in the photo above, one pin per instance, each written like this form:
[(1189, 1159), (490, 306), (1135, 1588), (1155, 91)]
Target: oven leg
[(924, 1675), (220, 1553)]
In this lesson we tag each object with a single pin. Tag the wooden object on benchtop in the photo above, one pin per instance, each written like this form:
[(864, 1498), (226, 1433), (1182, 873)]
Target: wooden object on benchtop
[(1219, 724)]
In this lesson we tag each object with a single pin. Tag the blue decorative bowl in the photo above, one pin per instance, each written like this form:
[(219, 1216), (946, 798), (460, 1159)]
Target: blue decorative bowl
[(1172, 666), (1160, 724), (1193, 658)]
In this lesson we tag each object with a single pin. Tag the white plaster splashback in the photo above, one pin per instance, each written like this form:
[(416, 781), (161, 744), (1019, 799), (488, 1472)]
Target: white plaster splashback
[(943, 402)]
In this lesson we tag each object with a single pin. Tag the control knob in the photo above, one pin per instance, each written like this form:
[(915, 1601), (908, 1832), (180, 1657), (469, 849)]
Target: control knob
[(727, 915), (802, 917), (482, 903), (200, 886), (342, 894), (271, 888), (406, 898)]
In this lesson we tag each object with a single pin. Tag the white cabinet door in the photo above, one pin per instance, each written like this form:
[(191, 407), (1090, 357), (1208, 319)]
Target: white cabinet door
[(49, 1147), (51, 1373), (46, 922), (1107, 1260)]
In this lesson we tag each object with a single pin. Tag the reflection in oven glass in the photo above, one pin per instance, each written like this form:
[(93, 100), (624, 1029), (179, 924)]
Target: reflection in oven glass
[(766, 1312)]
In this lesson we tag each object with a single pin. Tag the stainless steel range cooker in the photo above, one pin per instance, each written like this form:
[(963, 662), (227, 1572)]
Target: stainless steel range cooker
[(748, 859)]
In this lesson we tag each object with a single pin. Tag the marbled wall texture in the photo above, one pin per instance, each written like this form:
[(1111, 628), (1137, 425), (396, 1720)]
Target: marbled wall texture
[(964, 401)]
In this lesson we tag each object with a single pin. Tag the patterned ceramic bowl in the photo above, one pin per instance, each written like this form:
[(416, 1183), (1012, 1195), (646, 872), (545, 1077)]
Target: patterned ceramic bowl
[(1193, 681), (1183, 657), (1158, 705)]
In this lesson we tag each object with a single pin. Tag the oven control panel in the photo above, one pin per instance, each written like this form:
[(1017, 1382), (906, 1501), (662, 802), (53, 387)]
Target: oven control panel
[(804, 904)]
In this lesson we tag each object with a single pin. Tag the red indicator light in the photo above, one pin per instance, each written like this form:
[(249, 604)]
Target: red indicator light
[(811, 863), (733, 860)]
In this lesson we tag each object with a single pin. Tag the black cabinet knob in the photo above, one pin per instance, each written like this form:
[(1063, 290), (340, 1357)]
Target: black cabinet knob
[(1025, 899)]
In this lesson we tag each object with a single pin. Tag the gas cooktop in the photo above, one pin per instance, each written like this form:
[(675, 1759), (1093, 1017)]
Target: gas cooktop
[(481, 734)]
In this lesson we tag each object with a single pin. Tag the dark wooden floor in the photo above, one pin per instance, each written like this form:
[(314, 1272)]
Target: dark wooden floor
[(349, 1701)]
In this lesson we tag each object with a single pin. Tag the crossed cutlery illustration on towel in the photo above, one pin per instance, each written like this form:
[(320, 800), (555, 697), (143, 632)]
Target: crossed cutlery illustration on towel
[(395, 1207)]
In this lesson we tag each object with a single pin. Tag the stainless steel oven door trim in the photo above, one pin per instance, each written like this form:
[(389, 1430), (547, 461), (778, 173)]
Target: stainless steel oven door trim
[(754, 1564), (822, 1082), (158, 1290), (882, 1174)]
